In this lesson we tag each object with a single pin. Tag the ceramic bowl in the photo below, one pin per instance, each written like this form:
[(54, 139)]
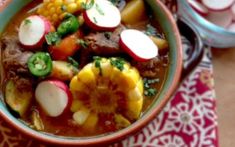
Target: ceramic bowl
[(168, 25), (210, 33)]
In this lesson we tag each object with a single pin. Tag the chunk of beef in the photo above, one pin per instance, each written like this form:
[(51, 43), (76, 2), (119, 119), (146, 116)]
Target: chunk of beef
[(105, 43), (14, 59), (152, 67)]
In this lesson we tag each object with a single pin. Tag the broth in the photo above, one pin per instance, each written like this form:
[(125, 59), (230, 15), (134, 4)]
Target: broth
[(152, 72)]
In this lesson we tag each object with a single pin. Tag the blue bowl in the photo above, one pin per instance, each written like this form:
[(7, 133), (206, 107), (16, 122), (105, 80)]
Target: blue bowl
[(210, 33)]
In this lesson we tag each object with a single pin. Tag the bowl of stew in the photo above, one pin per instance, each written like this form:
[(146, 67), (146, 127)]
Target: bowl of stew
[(86, 72)]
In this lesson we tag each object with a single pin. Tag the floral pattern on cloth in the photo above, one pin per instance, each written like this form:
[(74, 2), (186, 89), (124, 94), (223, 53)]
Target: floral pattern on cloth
[(188, 120)]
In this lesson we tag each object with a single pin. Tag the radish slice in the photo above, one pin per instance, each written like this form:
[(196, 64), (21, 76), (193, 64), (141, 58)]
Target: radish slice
[(220, 18), (231, 27), (103, 15), (201, 9), (32, 31), (53, 96), (217, 4), (138, 45), (233, 11)]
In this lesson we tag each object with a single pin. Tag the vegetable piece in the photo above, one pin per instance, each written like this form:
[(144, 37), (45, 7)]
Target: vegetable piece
[(63, 70), (138, 45), (162, 44), (105, 93), (217, 5), (81, 116), (201, 9), (54, 97), (70, 24), (134, 12), (102, 16), (121, 121), (32, 31), (37, 121), (65, 48), (18, 101), (56, 10), (53, 38), (40, 64)]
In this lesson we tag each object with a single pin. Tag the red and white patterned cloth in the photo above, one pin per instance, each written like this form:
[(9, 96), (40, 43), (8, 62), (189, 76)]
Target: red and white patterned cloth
[(188, 120)]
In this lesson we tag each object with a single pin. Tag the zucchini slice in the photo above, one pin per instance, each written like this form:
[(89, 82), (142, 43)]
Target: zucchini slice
[(18, 101)]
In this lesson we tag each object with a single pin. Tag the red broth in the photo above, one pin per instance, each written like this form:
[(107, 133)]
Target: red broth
[(153, 73)]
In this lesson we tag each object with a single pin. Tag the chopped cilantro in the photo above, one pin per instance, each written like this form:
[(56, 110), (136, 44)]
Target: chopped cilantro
[(150, 30), (99, 9), (150, 92), (53, 38), (27, 21), (87, 5), (118, 63), (95, 21), (83, 43), (97, 61), (73, 62)]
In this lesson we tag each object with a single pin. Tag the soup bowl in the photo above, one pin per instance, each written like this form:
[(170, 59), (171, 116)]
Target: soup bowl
[(169, 27)]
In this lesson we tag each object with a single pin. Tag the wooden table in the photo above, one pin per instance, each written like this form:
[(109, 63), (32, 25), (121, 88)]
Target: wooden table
[(224, 74)]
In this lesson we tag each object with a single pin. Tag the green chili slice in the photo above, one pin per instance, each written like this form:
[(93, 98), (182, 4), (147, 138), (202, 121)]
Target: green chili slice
[(40, 64), (69, 25)]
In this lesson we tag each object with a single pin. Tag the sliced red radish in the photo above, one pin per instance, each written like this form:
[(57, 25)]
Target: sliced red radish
[(217, 5), (103, 15), (32, 31), (220, 18), (231, 27), (201, 9), (138, 45), (233, 11), (54, 97)]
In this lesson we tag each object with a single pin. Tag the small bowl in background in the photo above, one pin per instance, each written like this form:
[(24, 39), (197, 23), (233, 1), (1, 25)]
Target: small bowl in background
[(211, 34)]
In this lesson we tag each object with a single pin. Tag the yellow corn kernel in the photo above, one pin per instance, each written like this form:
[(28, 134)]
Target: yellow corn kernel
[(140, 85), (69, 1), (52, 10), (49, 6), (72, 8), (129, 78), (46, 1), (76, 85), (87, 76), (91, 122), (54, 17), (58, 2), (63, 15), (81, 116), (79, 3), (135, 94), (58, 10), (134, 109), (76, 105), (45, 13)]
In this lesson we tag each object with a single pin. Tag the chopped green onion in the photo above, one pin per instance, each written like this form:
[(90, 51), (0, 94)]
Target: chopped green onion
[(118, 63), (73, 62), (87, 5)]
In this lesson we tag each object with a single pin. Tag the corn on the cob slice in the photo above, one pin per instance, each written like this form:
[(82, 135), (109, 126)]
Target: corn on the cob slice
[(55, 10), (105, 85)]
